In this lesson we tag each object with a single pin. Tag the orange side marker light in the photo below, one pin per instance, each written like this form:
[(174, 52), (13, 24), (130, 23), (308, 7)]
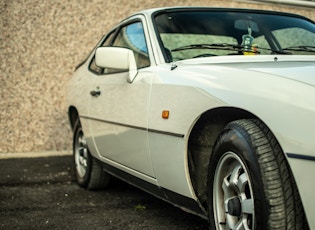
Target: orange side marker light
[(165, 114)]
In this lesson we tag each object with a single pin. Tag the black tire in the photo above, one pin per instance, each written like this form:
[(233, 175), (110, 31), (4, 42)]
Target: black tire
[(88, 171), (250, 183)]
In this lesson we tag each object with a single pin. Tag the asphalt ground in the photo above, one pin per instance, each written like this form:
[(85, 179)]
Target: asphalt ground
[(41, 193)]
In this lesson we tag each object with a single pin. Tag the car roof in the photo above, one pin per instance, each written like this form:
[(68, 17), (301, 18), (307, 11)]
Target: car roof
[(155, 11)]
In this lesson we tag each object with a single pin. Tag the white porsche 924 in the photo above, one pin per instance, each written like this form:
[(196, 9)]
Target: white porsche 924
[(210, 109)]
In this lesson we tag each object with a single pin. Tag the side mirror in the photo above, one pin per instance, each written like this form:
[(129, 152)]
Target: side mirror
[(117, 58)]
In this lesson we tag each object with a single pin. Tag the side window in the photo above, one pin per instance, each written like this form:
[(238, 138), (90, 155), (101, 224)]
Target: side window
[(132, 37)]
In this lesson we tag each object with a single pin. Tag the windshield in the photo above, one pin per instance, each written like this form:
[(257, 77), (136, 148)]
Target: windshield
[(193, 34)]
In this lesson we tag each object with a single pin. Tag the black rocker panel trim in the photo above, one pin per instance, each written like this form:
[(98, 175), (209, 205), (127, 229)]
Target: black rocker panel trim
[(162, 193)]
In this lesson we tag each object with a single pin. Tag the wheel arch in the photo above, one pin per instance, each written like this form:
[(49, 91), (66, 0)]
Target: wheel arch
[(201, 141), (73, 116)]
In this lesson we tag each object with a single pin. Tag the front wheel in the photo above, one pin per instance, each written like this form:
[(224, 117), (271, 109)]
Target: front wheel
[(250, 183), (88, 171)]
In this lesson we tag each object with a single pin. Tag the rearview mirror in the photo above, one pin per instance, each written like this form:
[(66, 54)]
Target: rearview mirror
[(243, 24), (117, 58)]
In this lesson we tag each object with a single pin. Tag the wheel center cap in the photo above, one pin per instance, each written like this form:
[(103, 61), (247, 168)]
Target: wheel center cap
[(234, 207)]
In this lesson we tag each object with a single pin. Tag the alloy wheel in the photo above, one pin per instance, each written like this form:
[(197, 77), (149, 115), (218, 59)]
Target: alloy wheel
[(232, 194)]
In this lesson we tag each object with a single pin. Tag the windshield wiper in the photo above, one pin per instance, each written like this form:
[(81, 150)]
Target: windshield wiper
[(274, 51), (226, 46), (220, 46), (301, 48), (232, 47)]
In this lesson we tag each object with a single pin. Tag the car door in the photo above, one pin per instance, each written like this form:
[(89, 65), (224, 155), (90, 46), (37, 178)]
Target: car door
[(119, 109)]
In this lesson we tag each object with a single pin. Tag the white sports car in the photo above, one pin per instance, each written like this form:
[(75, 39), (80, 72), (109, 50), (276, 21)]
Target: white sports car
[(210, 109)]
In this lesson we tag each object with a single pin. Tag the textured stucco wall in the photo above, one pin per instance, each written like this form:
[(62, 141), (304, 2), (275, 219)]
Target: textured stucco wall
[(41, 41)]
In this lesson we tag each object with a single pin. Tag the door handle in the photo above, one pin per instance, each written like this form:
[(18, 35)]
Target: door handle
[(95, 93)]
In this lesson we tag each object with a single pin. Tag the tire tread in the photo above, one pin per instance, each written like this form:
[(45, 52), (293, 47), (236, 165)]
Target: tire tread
[(286, 210), (98, 178)]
